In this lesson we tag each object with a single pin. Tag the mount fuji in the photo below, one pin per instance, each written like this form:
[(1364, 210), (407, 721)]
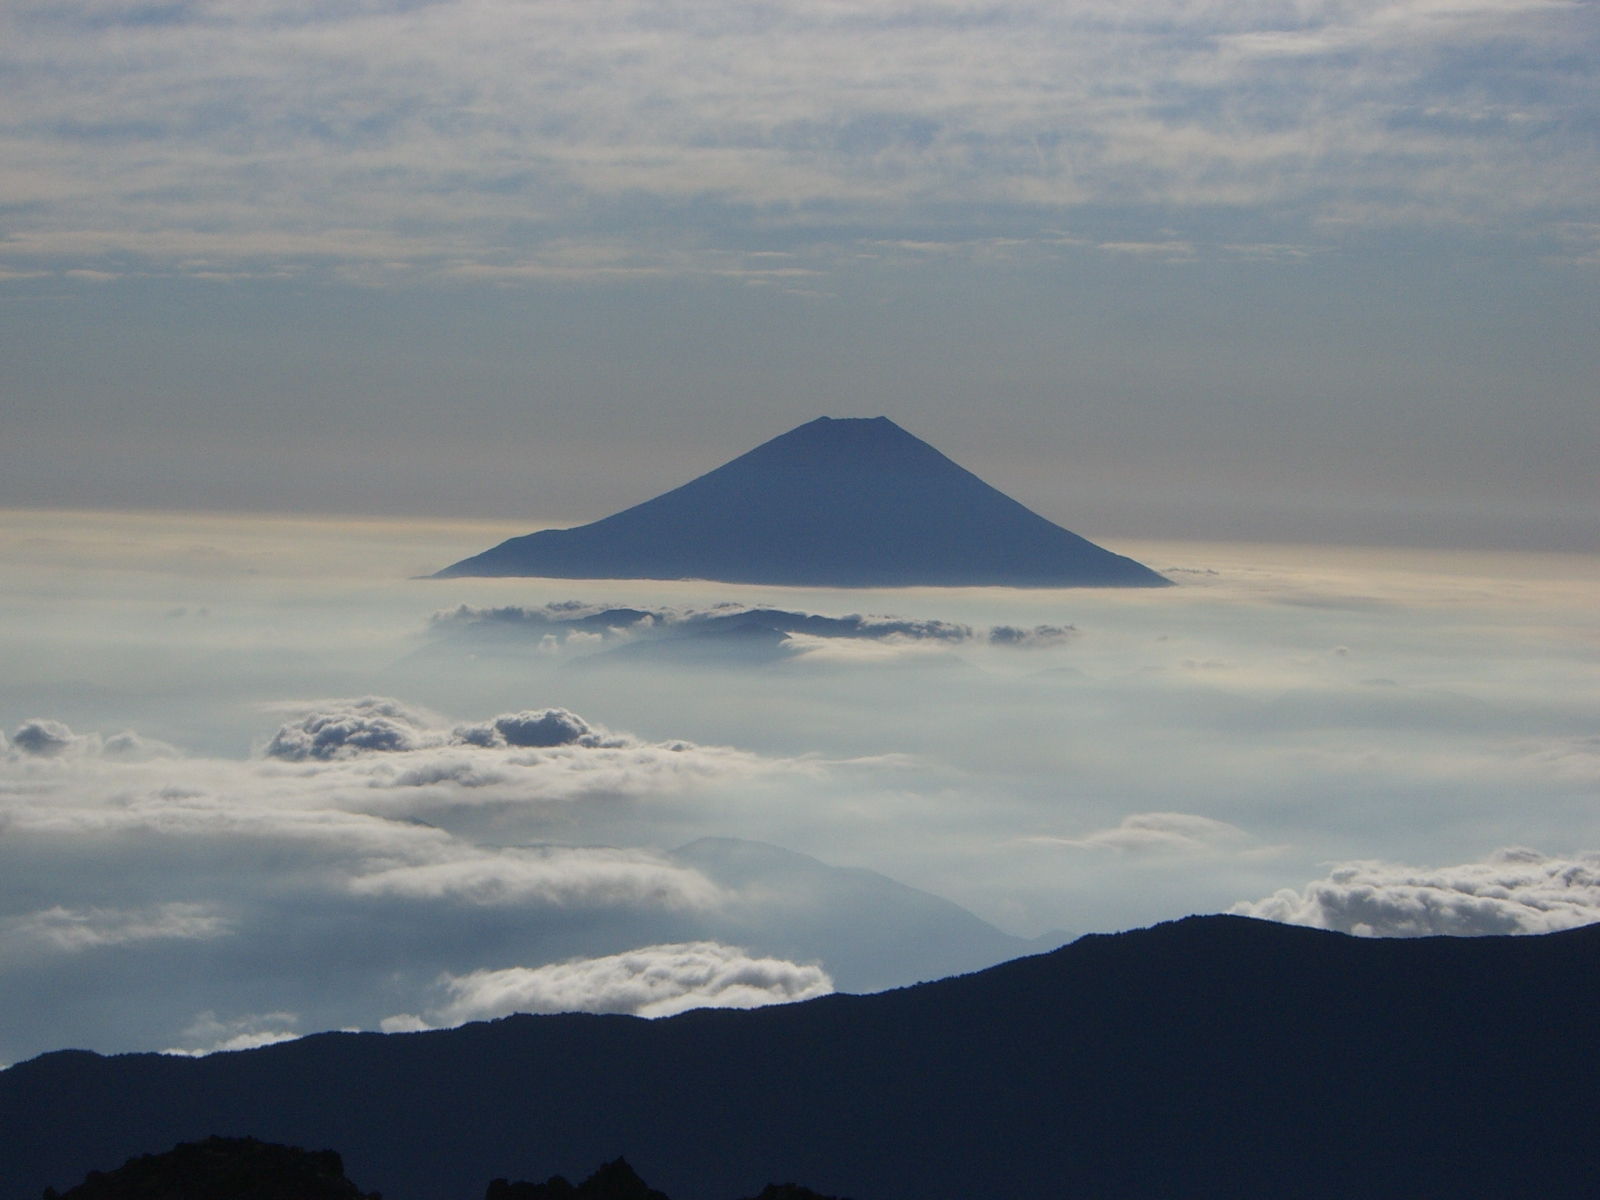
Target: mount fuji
[(833, 503)]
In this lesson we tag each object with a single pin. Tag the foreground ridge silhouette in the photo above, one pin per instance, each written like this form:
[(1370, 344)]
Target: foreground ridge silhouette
[(1209, 1057), (834, 503), (223, 1169), (618, 1181)]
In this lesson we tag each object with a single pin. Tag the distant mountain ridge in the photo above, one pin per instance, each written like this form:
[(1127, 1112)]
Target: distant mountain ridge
[(868, 931), (857, 502), (1209, 1057)]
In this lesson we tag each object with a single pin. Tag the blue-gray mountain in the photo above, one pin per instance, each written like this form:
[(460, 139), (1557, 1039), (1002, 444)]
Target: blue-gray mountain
[(834, 503)]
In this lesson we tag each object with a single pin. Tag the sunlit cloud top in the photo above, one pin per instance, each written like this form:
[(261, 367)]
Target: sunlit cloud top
[(497, 139)]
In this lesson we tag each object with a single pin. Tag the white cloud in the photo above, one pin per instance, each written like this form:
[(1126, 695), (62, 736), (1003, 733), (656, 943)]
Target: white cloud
[(75, 929), (1163, 833), (372, 756), (371, 723), (208, 1035), (43, 738), (1513, 891), (471, 138), (653, 981), (568, 877), (1039, 635), (543, 728), (343, 729)]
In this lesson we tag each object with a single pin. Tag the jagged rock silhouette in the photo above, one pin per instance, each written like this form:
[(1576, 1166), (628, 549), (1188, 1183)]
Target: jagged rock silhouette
[(618, 1181), (834, 503), (220, 1168), (614, 1180)]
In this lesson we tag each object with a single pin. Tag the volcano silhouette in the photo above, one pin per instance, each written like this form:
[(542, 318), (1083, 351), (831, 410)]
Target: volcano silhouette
[(834, 503)]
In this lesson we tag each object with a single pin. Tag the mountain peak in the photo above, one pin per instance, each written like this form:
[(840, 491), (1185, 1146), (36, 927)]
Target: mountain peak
[(836, 502)]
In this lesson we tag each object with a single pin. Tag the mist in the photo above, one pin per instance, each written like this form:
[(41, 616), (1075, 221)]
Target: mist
[(259, 778)]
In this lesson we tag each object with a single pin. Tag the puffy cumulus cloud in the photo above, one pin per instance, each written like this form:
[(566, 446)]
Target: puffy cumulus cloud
[(1513, 891), (208, 1035), (350, 727), (541, 728), (1164, 833), (343, 729), (44, 738), (77, 929), (41, 738), (561, 876), (1039, 635), (653, 981), (378, 754)]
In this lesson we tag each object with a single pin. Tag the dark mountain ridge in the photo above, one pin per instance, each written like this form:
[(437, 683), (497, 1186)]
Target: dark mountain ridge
[(834, 503), (1215, 1056)]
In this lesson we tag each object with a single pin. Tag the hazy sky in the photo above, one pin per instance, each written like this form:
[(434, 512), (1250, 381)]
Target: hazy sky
[(1318, 270)]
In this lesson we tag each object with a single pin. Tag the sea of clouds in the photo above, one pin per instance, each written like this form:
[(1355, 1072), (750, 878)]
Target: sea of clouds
[(194, 860)]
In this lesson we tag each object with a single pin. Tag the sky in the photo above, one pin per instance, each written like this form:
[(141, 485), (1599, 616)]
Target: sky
[(301, 301), (1273, 271)]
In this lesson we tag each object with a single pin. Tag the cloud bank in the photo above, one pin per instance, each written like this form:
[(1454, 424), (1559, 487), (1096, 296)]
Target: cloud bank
[(1513, 891), (653, 981), (342, 759), (588, 626), (485, 139), (567, 877)]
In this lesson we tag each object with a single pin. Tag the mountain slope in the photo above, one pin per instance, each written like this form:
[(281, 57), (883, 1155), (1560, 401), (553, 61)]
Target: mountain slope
[(834, 503), (1215, 1056), (867, 930)]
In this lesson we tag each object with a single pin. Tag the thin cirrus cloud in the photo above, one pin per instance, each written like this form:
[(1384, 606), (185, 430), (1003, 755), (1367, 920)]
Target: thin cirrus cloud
[(1514, 891), (652, 981), (1165, 833), (485, 138)]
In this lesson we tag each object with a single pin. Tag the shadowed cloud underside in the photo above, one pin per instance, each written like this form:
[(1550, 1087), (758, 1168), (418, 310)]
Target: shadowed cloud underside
[(833, 503)]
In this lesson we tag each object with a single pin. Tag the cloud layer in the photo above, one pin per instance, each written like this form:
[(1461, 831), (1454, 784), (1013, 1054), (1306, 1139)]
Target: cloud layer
[(490, 140), (1514, 891), (576, 624), (653, 981), (1164, 833)]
